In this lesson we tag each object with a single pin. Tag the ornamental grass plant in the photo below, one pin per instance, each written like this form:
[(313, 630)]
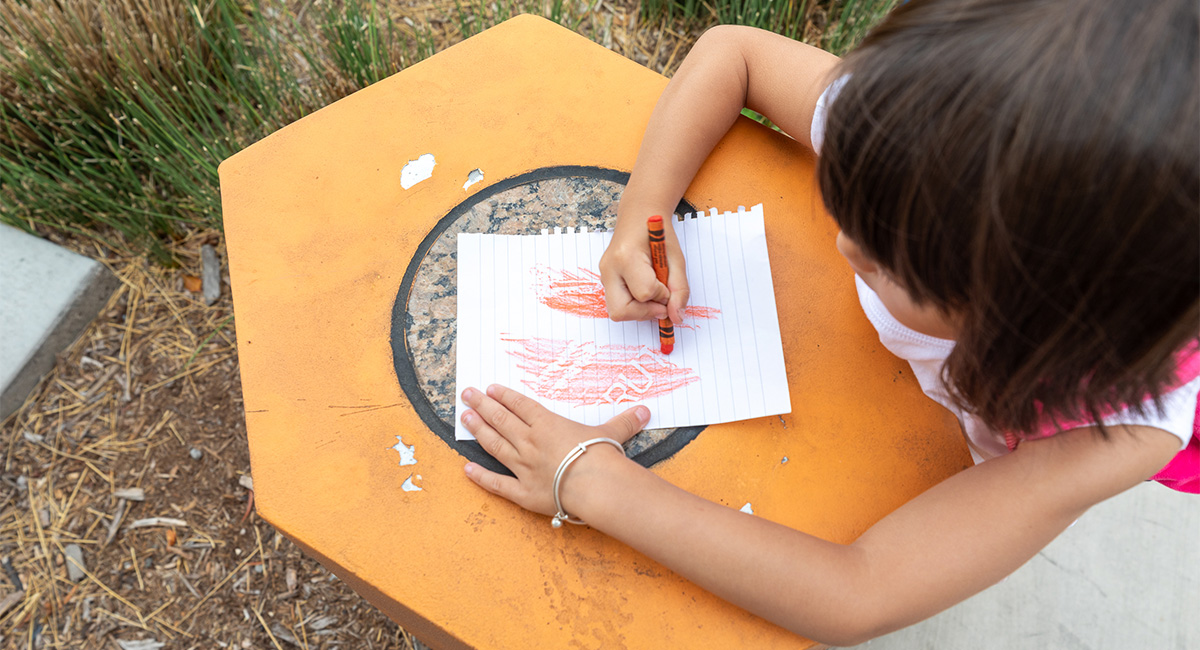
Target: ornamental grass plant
[(114, 114)]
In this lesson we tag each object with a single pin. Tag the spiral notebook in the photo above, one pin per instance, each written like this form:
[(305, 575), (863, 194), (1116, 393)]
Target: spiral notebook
[(531, 316)]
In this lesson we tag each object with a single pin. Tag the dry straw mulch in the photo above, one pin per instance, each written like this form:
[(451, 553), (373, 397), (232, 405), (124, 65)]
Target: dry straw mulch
[(149, 398)]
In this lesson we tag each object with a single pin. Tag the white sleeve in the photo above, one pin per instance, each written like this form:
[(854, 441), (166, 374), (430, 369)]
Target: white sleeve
[(817, 132), (1177, 418)]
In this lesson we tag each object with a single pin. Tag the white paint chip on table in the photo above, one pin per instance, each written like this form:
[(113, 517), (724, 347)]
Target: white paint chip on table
[(417, 170)]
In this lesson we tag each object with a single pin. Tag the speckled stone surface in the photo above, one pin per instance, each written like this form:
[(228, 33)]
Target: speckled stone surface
[(432, 302)]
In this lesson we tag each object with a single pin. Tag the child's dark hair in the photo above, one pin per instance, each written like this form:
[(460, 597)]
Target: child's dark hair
[(1033, 169)]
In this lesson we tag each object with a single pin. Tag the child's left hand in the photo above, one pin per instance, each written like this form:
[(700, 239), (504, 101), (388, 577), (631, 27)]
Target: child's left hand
[(531, 441)]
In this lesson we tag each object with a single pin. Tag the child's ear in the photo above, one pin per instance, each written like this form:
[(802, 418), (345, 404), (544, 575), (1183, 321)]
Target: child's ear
[(854, 255)]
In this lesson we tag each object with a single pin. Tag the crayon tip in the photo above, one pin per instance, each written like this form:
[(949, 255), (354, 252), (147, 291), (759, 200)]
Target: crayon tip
[(667, 347), (654, 219)]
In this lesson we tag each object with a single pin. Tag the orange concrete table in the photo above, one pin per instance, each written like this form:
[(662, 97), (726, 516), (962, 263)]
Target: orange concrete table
[(322, 226)]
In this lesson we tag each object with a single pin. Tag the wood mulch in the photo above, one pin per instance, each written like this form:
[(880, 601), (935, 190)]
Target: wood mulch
[(147, 404)]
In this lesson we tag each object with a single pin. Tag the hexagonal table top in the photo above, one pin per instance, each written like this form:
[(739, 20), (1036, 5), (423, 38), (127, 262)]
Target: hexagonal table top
[(345, 327)]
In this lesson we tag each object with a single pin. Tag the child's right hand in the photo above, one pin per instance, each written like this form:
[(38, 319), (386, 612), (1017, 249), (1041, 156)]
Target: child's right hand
[(631, 290), (729, 68)]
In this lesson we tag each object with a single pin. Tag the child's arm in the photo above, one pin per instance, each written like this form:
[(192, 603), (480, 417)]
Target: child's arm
[(728, 69), (947, 544)]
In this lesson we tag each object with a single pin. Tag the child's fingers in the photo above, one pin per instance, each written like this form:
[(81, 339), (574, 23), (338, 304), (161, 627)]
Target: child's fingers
[(631, 290), (679, 300), (501, 419), (616, 297), (644, 286), (624, 426), (622, 306), (677, 281), (505, 486), (490, 440), (644, 311), (527, 409)]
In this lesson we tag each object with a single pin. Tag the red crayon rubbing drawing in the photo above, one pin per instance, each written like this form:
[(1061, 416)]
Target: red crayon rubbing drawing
[(580, 293), (587, 373)]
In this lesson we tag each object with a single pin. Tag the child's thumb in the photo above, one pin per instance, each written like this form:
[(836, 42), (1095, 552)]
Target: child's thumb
[(623, 427), (678, 300), (677, 284)]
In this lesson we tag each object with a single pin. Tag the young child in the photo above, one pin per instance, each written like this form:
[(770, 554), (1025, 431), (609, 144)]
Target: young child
[(1017, 186)]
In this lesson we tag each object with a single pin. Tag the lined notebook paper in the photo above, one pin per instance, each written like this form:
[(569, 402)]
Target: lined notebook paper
[(531, 316)]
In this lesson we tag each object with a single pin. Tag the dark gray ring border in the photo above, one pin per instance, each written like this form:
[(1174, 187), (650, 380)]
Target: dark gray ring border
[(402, 358)]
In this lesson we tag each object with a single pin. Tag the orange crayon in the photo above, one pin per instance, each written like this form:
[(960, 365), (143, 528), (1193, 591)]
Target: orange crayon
[(658, 258)]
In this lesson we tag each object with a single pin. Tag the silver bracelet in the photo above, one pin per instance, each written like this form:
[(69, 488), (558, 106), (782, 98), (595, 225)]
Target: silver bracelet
[(571, 457)]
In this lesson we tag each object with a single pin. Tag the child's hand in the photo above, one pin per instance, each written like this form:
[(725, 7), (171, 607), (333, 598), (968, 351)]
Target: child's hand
[(631, 290), (531, 441)]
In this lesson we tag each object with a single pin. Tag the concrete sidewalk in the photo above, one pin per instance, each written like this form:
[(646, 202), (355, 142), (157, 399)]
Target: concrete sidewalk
[(48, 295), (1126, 576)]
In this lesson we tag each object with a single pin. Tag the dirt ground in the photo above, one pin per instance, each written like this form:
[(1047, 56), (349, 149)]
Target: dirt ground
[(150, 398)]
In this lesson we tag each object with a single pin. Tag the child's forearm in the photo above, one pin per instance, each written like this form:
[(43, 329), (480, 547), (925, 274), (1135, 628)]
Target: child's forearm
[(801, 582), (697, 108), (952, 541), (728, 69)]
